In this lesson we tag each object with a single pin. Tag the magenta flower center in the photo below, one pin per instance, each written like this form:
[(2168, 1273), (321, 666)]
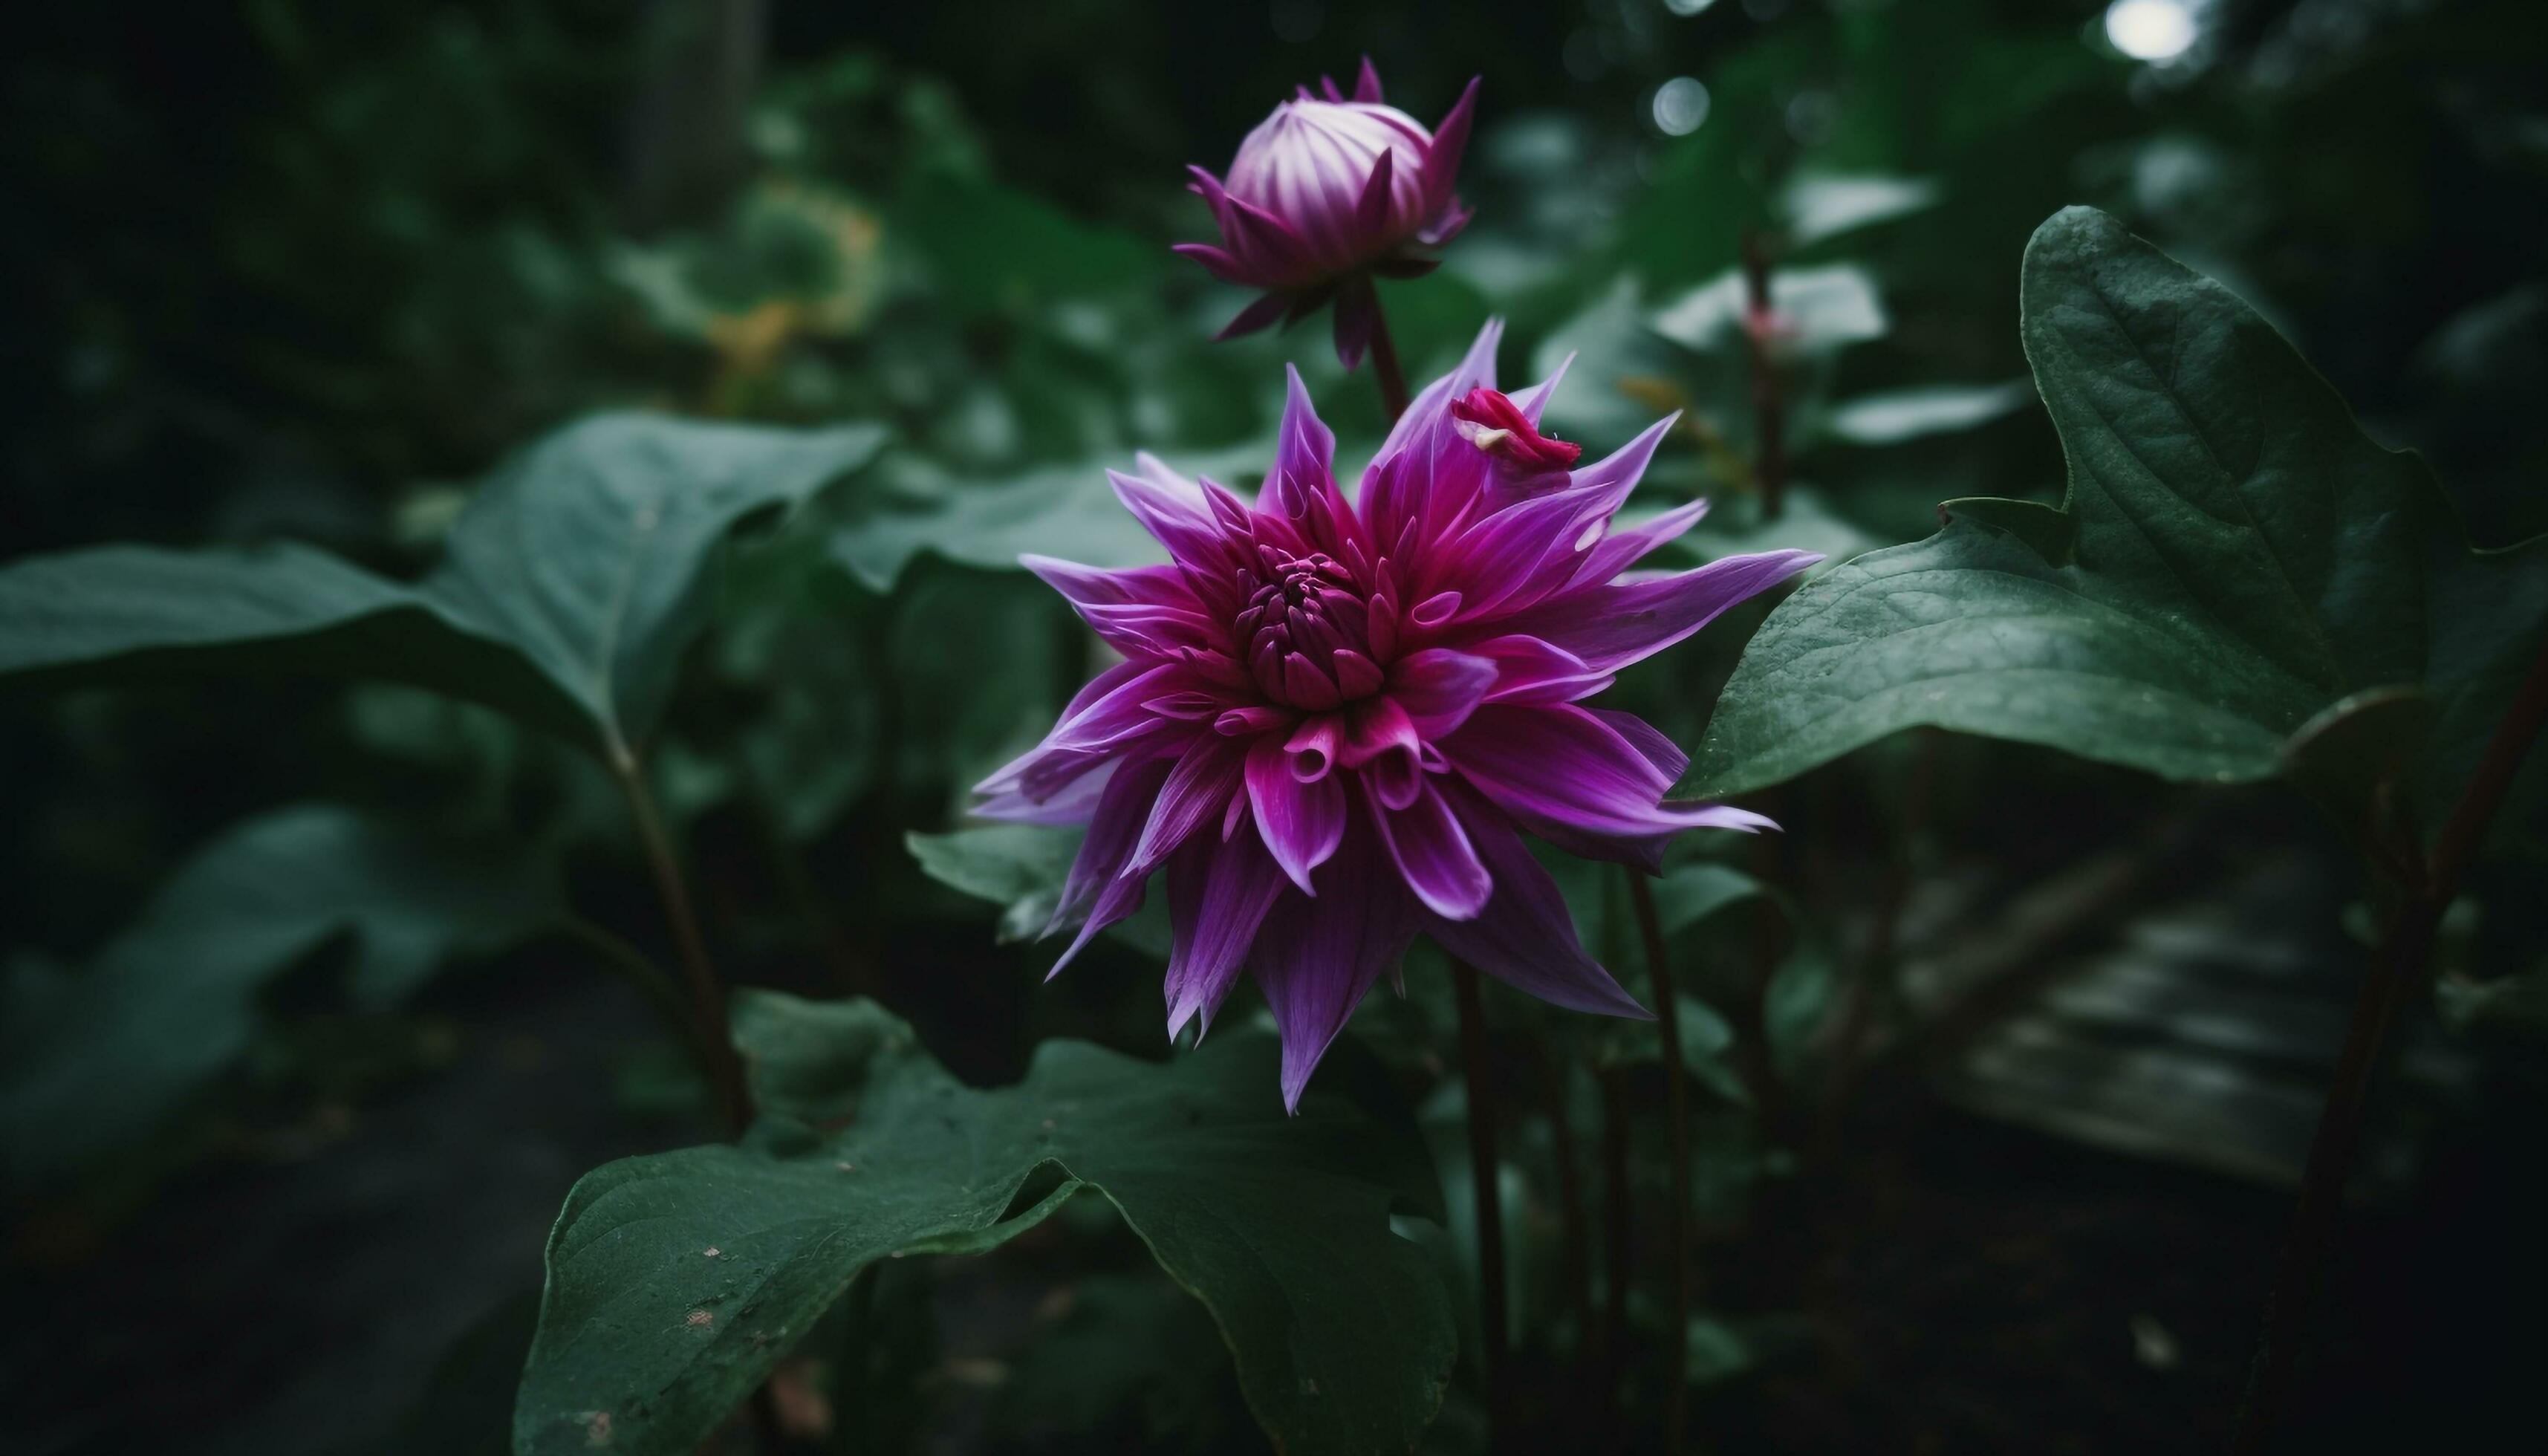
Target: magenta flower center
[(1314, 636)]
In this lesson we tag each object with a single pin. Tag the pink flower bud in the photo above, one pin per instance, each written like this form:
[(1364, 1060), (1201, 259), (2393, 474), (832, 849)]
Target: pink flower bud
[(1326, 192)]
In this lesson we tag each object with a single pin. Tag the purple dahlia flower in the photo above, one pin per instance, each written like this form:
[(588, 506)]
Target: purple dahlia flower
[(1325, 193), (1335, 719)]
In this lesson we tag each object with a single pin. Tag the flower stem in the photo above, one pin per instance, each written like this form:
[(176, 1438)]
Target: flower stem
[(1615, 1250), (1482, 1188), (1575, 1233), (1384, 360), (707, 997), (2397, 971), (1677, 1109), (1768, 403), (1857, 1011)]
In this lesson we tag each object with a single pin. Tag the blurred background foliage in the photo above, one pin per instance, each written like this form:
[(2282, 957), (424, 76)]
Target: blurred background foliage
[(295, 270)]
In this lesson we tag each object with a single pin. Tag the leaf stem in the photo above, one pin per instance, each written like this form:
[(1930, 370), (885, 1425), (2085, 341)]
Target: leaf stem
[(1384, 360), (1491, 1322), (2397, 971), (706, 995), (1768, 403), (641, 971), (1650, 927)]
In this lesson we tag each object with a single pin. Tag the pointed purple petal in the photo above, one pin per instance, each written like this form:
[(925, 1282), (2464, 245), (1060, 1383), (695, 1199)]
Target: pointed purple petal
[(1304, 449), (1434, 854), (1262, 314), (1216, 261), (1621, 550), (1451, 142), (1302, 823), (1217, 896), (1524, 936), (1367, 83), (1617, 473), (1439, 687), (1315, 959), (1648, 740), (1371, 210), (1094, 887), (1357, 315), (1196, 790), (1528, 670), (1612, 626)]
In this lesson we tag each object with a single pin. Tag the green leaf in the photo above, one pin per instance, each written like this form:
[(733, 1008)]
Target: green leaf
[(676, 1282), (1691, 893), (593, 552), (2245, 558), (113, 613), (172, 1000), (575, 577), (989, 249), (1063, 510), (1820, 205), (1906, 414), (1021, 869), (2052, 532), (1017, 867)]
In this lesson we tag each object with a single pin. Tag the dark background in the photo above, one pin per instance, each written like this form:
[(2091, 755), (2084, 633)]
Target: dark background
[(292, 269)]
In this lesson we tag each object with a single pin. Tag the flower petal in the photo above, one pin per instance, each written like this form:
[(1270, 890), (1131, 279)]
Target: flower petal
[(1525, 935), (1648, 740), (1196, 790), (1094, 887), (1217, 261), (1621, 550), (1142, 611), (1438, 687), (1433, 852), (1450, 143), (1217, 896), (1184, 524), (1265, 313), (1302, 481), (1302, 823), (1528, 670), (1357, 317), (1610, 626), (1558, 765), (1315, 960)]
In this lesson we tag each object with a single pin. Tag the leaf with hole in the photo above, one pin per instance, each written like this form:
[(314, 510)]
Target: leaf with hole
[(675, 1282)]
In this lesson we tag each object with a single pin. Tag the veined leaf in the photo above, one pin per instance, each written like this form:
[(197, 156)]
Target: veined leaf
[(676, 1282), (575, 577), (2241, 557)]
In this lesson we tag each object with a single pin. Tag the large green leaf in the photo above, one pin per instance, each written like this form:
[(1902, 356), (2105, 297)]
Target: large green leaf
[(676, 1282), (2236, 562), (594, 552), (1064, 510), (97, 1058), (575, 577), (126, 612)]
